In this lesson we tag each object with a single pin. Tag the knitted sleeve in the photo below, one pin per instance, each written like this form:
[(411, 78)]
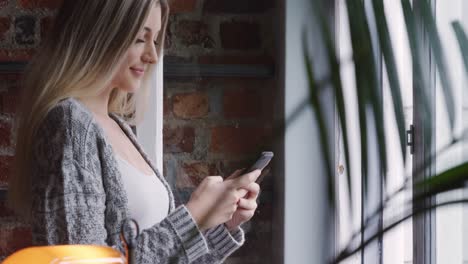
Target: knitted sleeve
[(68, 201), (69, 204), (222, 244)]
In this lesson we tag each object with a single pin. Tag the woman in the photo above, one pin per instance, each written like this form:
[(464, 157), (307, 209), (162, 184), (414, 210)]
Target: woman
[(79, 171)]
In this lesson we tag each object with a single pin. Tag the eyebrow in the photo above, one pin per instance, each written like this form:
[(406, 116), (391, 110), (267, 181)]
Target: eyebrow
[(147, 29)]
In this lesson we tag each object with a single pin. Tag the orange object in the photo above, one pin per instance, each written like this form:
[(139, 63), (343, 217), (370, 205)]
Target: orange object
[(67, 254)]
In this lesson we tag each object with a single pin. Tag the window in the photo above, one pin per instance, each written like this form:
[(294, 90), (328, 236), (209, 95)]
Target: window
[(440, 236), (451, 223)]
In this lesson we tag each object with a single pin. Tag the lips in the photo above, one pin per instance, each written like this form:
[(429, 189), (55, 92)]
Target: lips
[(140, 70)]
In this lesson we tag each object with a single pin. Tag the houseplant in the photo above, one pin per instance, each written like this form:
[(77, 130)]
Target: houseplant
[(418, 21)]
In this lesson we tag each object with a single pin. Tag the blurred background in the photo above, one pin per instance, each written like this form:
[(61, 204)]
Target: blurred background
[(234, 83)]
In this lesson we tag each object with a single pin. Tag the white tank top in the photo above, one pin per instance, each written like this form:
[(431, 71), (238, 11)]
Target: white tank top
[(148, 198)]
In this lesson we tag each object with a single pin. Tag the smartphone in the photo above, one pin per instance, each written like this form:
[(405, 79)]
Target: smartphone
[(260, 164)]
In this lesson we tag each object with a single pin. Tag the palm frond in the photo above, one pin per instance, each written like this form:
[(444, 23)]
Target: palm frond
[(462, 42), (336, 84), (392, 73)]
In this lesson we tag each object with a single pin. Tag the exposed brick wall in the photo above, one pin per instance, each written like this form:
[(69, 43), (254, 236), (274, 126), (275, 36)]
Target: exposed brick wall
[(13, 233), (222, 123), (22, 25), (212, 126)]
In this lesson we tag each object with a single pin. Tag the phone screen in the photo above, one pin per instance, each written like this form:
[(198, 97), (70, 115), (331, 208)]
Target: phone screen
[(260, 164)]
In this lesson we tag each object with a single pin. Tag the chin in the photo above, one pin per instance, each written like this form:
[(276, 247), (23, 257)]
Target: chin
[(131, 90), (131, 87), (128, 89)]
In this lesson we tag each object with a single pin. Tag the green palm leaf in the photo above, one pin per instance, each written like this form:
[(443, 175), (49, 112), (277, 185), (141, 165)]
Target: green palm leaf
[(315, 103), (438, 52), (336, 84), (367, 84), (390, 62), (420, 78), (462, 41)]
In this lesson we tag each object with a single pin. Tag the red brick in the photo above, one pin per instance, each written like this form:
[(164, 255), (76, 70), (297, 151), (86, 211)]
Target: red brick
[(5, 170), (5, 211), (190, 105), (16, 54), (14, 239), (240, 35), (31, 4), (10, 100), (242, 140), (46, 26), (3, 3), (242, 103), (263, 89), (10, 77), (5, 133), (191, 174), (194, 33), (182, 6), (238, 6), (5, 25), (178, 139), (167, 106), (168, 37), (228, 167)]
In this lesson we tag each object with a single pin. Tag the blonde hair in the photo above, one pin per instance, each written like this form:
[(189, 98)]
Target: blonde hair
[(78, 59)]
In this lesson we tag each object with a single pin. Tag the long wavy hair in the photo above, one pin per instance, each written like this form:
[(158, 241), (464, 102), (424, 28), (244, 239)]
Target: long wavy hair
[(78, 59)]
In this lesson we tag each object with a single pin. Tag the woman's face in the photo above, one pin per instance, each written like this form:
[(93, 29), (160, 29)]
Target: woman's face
[(140, 54)]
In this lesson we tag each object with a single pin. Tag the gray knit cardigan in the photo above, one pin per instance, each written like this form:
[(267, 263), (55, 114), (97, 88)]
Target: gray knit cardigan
[(78, 196)]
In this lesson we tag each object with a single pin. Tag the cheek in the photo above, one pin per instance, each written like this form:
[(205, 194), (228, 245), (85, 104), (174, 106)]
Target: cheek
[(124, 68), (124, 77), (123, 71), (133, 55), (131, 58)]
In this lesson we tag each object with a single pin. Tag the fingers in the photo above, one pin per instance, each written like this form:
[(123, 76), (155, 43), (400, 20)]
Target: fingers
[(253, 190), (213, 179), (242, 193), (247, 204), (235, 174), (245, 180), (250, 192), (244, 214)]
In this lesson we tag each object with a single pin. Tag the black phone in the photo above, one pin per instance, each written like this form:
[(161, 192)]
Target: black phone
[(260, 164)]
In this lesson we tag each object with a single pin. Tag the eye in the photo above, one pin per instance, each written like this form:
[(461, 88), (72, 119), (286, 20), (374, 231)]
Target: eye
[(156, 44)]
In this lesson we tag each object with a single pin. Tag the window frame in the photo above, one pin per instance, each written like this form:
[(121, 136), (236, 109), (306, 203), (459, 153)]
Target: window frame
[(150, 130)]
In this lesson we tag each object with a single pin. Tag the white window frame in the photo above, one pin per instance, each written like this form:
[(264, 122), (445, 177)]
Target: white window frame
[(150, 130)]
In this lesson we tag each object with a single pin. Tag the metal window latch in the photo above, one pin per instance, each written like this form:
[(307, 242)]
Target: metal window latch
[(410, 138)]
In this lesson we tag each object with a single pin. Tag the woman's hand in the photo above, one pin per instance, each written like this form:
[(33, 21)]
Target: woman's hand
[(246, 205), (215, 201)]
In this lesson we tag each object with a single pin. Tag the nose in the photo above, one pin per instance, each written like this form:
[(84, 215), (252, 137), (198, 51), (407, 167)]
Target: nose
[(150, 56)]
